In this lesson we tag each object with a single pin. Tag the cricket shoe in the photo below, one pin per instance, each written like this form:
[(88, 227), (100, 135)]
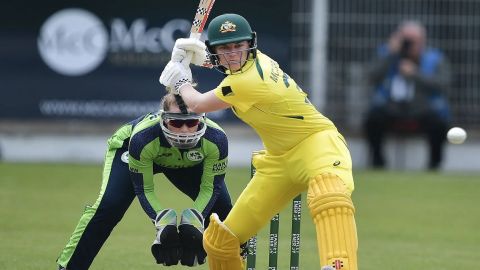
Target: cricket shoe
[(328, 267)]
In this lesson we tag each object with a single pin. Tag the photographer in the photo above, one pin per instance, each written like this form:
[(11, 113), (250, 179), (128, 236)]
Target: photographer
[(409, 80)]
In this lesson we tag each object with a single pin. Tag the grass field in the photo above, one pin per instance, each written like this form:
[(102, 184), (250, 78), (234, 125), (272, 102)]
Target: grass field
[(406, 220)]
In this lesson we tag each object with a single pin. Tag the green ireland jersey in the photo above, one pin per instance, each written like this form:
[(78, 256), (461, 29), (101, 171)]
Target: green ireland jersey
[(200, 169)]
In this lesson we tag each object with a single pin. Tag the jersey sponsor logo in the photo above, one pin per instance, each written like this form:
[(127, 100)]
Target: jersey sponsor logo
[(336, 163), (228, 26), (124, 157), (194, 155), (219, 167), (227, 91)]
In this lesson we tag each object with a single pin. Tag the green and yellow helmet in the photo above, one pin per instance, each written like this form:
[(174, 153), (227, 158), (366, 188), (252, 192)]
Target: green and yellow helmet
[(229, 28)]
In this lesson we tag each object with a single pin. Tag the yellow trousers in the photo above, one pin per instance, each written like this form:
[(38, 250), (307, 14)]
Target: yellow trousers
[(279, 178)]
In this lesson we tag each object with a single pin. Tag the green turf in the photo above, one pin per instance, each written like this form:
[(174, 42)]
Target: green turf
[(425, 221)]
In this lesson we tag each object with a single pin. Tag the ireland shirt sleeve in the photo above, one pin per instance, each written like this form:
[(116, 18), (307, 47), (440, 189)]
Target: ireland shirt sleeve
[(242, 92), (214, 168), (141, 173)]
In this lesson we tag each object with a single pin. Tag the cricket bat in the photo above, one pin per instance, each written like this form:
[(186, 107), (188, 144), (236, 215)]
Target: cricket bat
[(199, 21), (203, 10)]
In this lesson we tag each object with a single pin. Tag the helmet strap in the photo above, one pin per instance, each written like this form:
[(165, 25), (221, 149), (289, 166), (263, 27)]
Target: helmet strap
[(253, 44)]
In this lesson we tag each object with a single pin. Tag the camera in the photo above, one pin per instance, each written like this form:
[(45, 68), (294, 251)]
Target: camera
[(405, 48)]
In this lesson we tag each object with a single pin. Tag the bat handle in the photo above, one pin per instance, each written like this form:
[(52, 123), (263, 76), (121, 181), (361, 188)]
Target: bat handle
[(195, 35)]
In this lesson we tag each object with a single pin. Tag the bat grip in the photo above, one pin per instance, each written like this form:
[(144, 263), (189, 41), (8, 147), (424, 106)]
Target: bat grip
[(195, 35)]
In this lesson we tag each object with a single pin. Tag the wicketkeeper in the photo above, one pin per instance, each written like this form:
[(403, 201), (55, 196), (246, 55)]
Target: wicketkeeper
[(191, 151), (304, 150)]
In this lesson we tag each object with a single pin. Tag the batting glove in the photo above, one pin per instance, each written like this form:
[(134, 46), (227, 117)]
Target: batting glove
[(191, 235), (175, 75), (185, 46), (166, 247)]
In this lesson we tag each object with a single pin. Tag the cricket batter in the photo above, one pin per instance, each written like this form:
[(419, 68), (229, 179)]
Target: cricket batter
[(303, 149), (191, 151)]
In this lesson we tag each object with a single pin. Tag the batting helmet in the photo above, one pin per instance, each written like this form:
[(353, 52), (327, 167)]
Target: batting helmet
[(229, 28)]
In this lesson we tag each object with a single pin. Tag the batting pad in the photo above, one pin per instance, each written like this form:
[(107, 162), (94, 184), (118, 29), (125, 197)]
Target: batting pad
[(333, 213), (222, 246)]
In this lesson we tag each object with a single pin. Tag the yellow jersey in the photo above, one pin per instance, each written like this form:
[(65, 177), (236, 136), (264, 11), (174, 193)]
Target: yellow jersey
[(267, 99)]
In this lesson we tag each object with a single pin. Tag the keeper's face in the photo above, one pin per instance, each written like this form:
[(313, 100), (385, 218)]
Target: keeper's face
[(182, 130), (181, 126), (233, 56)]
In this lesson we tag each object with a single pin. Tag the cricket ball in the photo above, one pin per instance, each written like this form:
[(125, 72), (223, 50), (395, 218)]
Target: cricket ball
[(456, 135)]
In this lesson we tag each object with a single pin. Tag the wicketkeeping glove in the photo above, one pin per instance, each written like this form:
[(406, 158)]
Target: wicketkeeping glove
[(191, 236), (175, 75), (190, 45), (166, 247)]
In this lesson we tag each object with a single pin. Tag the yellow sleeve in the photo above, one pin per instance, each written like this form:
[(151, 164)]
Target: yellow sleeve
[(244, 90)]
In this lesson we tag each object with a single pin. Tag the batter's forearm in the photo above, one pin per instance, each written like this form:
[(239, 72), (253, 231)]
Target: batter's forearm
[(201, 103)]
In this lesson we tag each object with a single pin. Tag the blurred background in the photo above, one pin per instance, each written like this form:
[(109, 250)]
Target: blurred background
[(71, 72)]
